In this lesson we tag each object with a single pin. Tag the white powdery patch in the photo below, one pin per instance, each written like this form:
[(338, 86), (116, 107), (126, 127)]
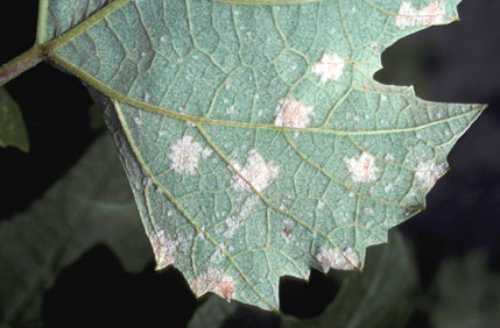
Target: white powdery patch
[(207, 152), (330, 67), (432, 14), (164, 248), (292, 113), (184, 155), (427, 173), (215, 281), (362, 168), (334, 259), (256, 171), (234, 222)]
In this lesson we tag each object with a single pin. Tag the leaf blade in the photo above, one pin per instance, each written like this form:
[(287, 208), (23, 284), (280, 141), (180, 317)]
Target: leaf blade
[(300, 139)]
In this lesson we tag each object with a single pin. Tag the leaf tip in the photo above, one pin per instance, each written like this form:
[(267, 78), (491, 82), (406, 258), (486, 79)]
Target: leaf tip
[(214, 281), (164, 249)]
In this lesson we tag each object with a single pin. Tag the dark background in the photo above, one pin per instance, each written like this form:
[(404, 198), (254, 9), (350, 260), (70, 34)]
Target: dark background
[(454, 63)]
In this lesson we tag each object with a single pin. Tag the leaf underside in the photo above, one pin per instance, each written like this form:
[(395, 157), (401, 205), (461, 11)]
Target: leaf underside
[(255, 138)]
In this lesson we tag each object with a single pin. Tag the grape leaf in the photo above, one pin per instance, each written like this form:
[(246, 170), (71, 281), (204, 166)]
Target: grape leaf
[(77, 213), (255, 138), (12, 128)]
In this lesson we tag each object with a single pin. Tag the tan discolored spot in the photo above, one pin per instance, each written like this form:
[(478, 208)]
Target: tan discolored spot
[(428, 173), (215, 281), (409, 16), (292, 113), (164, 249), (362, 168), (256, 172), (334, 259), (184, 155), (330, 67)]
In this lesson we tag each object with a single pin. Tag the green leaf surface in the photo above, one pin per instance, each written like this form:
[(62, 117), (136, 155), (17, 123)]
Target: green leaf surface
[(12, 128), (466, 294), (91, 205), (390, 271), (256, 140), (266, 2)]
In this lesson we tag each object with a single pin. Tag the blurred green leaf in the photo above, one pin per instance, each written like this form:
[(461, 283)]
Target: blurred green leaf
[(213, 313), (12, 128), (96, 119), (92, 204), (467, 294)]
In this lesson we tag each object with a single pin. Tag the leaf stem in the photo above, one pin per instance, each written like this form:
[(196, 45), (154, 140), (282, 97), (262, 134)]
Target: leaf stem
[(21, 64), (42, 21)]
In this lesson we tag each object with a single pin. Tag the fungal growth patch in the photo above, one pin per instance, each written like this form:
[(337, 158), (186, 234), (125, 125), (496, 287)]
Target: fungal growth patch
[(427, 173), (362, 168), (334, 259), (292, 113), (184, 155), (330, 67), (235, 222), (256, 171), (215, 281), (409, 16), (164, 248)]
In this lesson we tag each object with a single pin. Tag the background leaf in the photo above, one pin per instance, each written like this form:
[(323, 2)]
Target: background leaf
[(91, 205), (466, 294), (213, 313), (255, 138), (12, 128)]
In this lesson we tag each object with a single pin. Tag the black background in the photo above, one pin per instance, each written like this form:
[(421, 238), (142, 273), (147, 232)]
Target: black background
[(455, 63)]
